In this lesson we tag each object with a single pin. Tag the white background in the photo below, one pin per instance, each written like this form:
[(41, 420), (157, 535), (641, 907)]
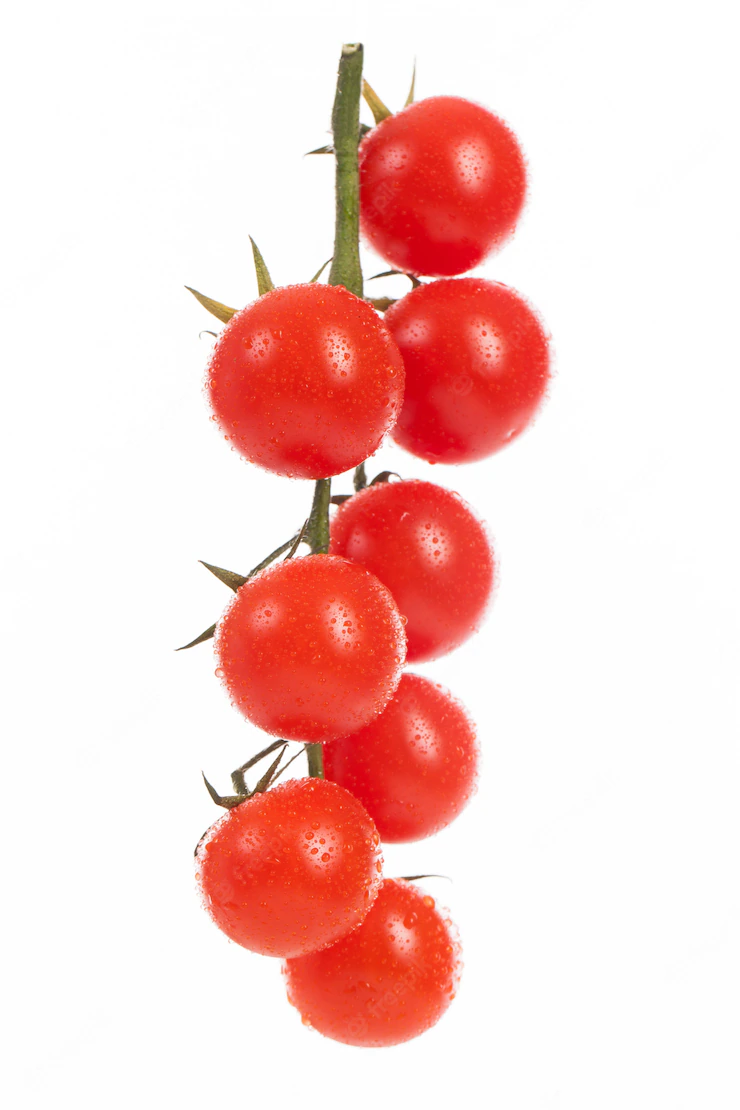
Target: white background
[(596, 874)]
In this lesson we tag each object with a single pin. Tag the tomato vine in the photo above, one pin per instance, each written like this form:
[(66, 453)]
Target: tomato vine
[(306, 382)]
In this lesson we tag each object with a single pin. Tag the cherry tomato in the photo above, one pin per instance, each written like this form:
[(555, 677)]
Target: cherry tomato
[(414, 767), (442, 184), (427, 546), (388, 981), (312, 648), (291, 870), (306, 381), (477, 368)]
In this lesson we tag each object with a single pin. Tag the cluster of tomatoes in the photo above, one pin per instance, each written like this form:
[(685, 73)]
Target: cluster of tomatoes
[(306, 382)]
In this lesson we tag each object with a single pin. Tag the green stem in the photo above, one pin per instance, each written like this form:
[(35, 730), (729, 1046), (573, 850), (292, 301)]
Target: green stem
[(315, 756), (237, 776), (345, 121), (345, 270), (360, 478), (273, 555), (317, 530)]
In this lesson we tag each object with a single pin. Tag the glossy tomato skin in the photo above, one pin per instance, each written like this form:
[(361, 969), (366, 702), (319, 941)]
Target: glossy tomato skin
[(312, 648), (306, 381), (431, 551), (389, 980), (477, 368), (414, 767), (442, 184), (292, 870)]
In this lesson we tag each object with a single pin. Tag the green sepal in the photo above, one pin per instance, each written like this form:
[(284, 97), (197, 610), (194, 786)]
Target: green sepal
[(237, 776), (329, 148), (397, 273), (222, 312), (379, 110), (264, 281), (267, 778), (320, 271), (381, 304), (413, 878), (298, 540), (207, 635), (410, 97), (229, 577), (228, 801)]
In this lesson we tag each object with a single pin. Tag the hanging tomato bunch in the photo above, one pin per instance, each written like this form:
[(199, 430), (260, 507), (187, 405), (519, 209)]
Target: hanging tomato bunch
[(307, 381)]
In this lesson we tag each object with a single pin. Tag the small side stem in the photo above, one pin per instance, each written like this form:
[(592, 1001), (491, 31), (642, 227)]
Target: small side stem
[(315, 756), (359, 480), (237, 776), (345, 121), (273, 555), (317, 530)]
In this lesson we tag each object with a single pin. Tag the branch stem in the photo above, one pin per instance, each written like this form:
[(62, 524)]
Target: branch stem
[(317, 529), (359, 480), (315, 756), (345, 121), (345, 270)]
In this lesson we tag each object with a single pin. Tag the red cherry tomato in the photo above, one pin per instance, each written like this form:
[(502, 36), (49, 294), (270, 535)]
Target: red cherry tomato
[(477, 368), (427, 546), (312, 648), (388, 981), (306, 381), (442, 184), (414, 767), (292, 870)]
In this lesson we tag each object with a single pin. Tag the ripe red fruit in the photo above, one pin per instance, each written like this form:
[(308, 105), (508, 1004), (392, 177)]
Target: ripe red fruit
[(312, 648), (477, 368), (442, 184), (292, 870), (388, 981), (427, 546), (414, 767), (306, 381)]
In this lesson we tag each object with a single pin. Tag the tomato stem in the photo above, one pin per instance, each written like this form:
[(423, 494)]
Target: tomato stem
[(317, 529), (237, 776), (346, 271), (345, 121), (360, 478), (315, 756)]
